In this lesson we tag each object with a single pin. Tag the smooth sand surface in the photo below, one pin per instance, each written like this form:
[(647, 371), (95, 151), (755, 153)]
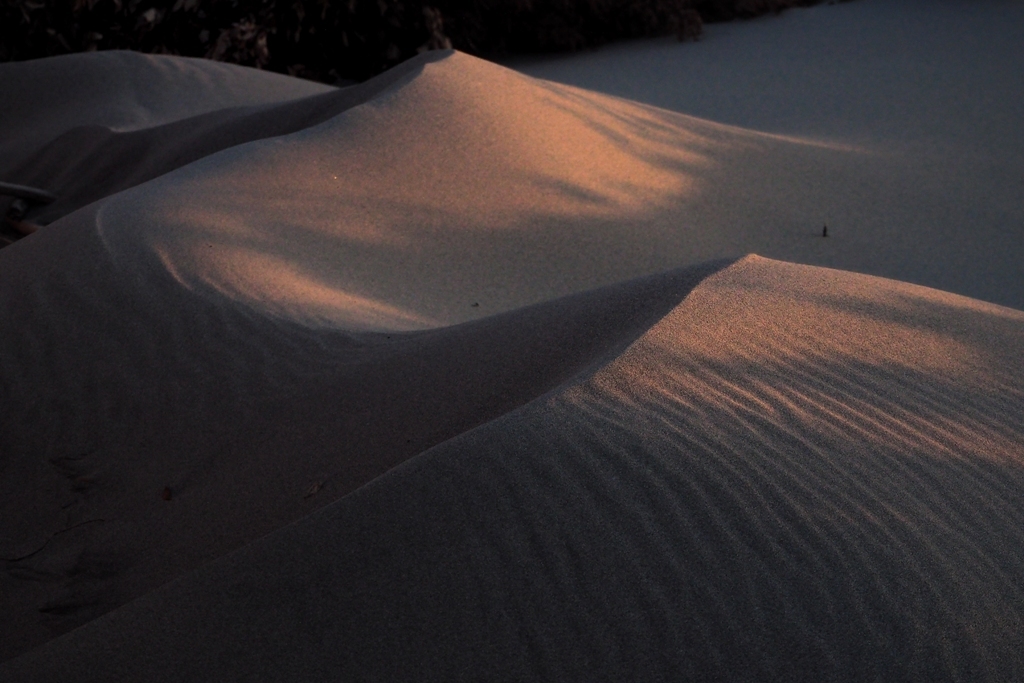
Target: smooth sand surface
[(124, 91), (455, 374), (927, 96)]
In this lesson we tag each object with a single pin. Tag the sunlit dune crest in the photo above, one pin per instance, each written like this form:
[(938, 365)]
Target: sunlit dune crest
[(507, 146), (829, 350), (789, 450), (523, 190), (284, 291), (433, 167)]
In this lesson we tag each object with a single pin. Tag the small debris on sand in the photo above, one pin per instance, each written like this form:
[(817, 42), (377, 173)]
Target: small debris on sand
[(24, 227)]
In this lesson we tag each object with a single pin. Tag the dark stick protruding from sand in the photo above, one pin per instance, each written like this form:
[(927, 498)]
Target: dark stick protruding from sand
[(25, 228), (23, 194), (31, 194)]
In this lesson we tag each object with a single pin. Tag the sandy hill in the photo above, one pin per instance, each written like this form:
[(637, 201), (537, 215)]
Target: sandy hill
[(124, 91), (795, 474), (930, 93), (459, 374)]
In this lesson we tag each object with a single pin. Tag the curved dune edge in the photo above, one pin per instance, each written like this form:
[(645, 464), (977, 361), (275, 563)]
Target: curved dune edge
[(450, 180), (116, 389), (797, 474), (87, 162), (125, 91)]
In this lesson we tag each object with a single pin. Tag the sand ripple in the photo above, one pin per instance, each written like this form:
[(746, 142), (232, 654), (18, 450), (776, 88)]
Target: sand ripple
[(764, 486)]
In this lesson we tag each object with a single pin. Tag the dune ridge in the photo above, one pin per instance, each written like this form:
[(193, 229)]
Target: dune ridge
[(88, 162), (740, 493), (251, 422), (124, 91), (523, 188)]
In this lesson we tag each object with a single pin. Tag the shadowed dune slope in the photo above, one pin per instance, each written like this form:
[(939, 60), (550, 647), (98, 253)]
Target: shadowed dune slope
[(797, 474), (90, 162), (115, 387), (124, 91)]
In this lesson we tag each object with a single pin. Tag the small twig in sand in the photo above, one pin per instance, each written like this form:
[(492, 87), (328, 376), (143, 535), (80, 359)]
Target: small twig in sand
[(23, 196), (29, 194), (24, 227), (47, 541)]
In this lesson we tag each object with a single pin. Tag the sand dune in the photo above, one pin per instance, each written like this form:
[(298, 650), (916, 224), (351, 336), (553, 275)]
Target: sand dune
[(455, 374), (124, 91), (559, 190), (797, 474), (251, 422), (932, 91), (89, 162)]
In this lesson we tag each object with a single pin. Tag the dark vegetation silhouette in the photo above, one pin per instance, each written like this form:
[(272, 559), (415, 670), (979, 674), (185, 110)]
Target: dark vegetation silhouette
[(334, 40)]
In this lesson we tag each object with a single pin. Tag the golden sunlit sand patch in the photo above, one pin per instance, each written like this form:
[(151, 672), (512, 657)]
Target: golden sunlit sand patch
[(525, 189), (281, 289), (429, 169)]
